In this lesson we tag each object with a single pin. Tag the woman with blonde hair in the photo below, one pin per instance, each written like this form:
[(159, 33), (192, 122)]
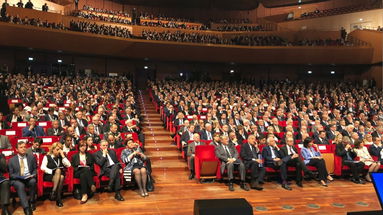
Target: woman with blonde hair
[(53, 165), (365, 157)]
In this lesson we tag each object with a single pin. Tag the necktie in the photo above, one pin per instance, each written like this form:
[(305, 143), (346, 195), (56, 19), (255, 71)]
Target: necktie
[(208, 135), (21, 167), (228, 152)]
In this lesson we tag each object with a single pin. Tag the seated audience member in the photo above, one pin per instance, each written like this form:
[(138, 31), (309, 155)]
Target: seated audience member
[(81, 122), (290, 155), (206, 133), (365, 157), (216, 140), (348, 155), (253, 161), (98, 126), (63, 122), (331, 133), (14, 116), (376, 148), (89, 143), (131, 128), (70, 133), (83, 164), (321, 139), (4, 142), (78, 131), (134, 159), (36, 147), (110, 166), (186, 136), (53, 167), (368, 139), (68, 144), (228, 155), (4, 186), (3, 122), (33, 130), (191, 153), (91, 133), (378, 132), (233, 139), (113, 144), (273, 159), (56, 130), (312, 157), (115, 133), (22, 173), (50, 116)]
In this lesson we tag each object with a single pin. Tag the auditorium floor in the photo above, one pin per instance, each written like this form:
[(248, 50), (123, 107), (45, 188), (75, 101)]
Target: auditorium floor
[(175, 194)]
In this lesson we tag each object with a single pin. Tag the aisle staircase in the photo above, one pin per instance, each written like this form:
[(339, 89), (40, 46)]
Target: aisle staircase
[(158, 142)]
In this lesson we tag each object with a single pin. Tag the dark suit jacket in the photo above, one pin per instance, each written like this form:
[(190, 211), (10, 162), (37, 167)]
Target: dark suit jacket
[(375, 134), (375, 151), (284, 152), (3, 165), (38, 130), (14, 166), (76, 162), (4, 125), (185, 136), (51, 131), (330, 135), (221, 154), (267, 156), (319, 142), (51, 118), (341, 151), (203, 134), (84, 122), (9, 118), (66, 123), (103, 161), (247, 154)]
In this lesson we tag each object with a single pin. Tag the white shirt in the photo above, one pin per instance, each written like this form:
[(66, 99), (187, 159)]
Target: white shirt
[(44, 164), (272, 153), (111, 163)]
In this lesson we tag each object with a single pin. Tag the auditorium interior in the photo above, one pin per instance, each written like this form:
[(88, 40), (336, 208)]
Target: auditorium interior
[(191, 107)]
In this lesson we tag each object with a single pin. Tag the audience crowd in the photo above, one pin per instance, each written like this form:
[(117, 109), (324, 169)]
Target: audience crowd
[(279, 112), (95, 120), (240, 28), (100, 29)]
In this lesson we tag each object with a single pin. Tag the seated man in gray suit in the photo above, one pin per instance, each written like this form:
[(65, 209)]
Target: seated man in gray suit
[(22, 173), (4, 142), (191, 153), (228, 155)]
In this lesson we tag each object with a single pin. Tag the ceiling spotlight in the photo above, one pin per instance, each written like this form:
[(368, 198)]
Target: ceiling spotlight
[(232, 71), (360, 19), (332, 72), (146, 67), (59, 61), (309, 72), (181, 74), (30, 58)]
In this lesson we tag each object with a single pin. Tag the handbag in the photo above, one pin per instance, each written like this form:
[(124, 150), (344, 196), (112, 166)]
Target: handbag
[(150, 184)]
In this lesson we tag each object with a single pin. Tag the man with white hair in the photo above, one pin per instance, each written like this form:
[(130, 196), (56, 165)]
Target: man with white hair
[(207, 134), (191, 153), (228, 155)]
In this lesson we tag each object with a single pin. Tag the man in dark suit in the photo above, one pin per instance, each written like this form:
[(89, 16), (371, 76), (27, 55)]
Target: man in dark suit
[(91, 133), (252, 159), (33, 130), (82, 123), (109, 165), (63, 122), (14, 116), (321, 139), (376, 148), (273, 159), (378, 132), (276, 126), (186, 136), (36, 147), (76, 128), (228, 155), (4, 142), (50, 116), (291, 157), (191, 153), (207, 134), (261, 126), (3, 122), (98, 126), (348, 131), (331, 132), (56, 130), (237, 119), (22, 173), (113, 144)]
